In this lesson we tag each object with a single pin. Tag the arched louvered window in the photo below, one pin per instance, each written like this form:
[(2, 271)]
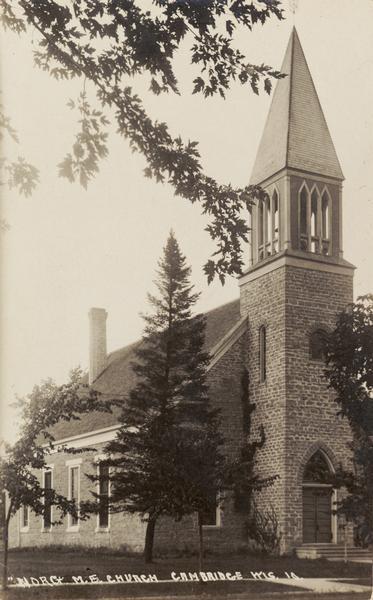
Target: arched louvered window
[(314, 220), (315, 234), (303, 220), (262, 353), (260, 230), (275, 222), (269, 226), (325, 222)]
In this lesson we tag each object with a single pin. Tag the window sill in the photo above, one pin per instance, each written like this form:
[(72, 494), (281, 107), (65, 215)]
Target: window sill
[(72, 529), (209, 527), (102, 530), (24, 529)]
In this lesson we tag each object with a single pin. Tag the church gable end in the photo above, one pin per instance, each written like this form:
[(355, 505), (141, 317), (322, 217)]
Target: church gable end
[(297, 282)]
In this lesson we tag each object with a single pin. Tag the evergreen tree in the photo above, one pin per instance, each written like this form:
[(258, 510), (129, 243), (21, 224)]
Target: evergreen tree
[(165, 459)]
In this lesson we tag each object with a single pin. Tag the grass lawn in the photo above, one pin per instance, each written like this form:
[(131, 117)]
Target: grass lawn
[(71, 562)]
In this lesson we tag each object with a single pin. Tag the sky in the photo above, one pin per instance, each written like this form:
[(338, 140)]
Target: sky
[(68, 249)]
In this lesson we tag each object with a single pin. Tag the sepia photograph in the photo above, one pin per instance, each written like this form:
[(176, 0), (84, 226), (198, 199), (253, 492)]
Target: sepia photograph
[(186, 362)]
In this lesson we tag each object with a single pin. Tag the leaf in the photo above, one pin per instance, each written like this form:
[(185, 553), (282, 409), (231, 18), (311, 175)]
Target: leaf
[(229, 25), (199, 85), (267, 85), (78, 150)]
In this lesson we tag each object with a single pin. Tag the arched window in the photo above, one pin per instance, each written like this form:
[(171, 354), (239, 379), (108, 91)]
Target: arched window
[(325, 223), (314, 220), (317, 469), (303, 220), (315, 234), (262, 354), (260, 230), (268, 225), (275, 222), (317, 344)]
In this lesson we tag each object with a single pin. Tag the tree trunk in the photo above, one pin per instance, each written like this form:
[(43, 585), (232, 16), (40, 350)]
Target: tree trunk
[(149, 540), (370, 514), (200, 541), (5, 552)]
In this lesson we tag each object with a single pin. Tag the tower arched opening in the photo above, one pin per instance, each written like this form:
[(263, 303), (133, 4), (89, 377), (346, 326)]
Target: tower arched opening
[(317, 500)]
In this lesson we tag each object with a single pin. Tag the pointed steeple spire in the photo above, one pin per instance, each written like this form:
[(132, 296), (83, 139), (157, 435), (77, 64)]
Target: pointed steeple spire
[(295, 134)]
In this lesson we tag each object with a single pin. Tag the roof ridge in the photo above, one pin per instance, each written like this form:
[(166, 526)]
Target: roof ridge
[(291, 74), (118, 377), (220, 306), (207, 312)]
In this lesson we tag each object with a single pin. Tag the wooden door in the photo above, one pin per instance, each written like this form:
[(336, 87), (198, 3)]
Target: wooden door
[(317, 515)]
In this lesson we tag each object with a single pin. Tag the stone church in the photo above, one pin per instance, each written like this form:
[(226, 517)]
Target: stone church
[(295, 285)]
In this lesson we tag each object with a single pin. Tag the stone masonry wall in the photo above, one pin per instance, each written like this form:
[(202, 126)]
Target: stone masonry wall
[(263, 300), (313, 300), (293, 404)]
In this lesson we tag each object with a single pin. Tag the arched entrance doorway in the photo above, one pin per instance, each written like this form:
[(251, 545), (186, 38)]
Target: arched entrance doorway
[(317, 500)]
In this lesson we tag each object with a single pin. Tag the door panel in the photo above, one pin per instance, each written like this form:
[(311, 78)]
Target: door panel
[(309, 516), (324, 516), (317, 516)]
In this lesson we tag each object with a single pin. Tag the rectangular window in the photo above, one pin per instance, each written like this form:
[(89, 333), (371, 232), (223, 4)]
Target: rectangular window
[(47, 515), (211, 518), (103, 490), (74, 492), (25, 517), (262, 354)]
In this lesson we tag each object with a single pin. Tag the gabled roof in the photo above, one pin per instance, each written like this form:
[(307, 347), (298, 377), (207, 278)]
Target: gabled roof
[(295, 134), (118, 378)]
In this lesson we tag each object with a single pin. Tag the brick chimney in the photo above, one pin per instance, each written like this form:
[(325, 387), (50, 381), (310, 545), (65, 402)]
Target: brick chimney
[(97, 342)]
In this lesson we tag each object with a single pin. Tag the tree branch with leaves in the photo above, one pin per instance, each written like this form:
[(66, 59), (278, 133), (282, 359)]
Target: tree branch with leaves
[(22, 462), (18, 173), (349, 371), (110, 43)]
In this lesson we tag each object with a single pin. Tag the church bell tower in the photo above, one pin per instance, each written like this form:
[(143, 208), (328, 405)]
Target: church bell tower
[(296, 284)]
